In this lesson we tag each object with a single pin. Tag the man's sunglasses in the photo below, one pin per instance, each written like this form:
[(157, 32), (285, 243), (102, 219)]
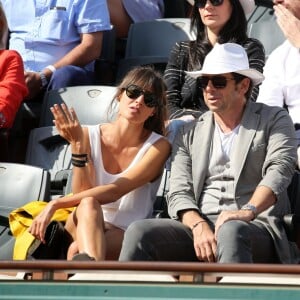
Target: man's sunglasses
[(202, 3), (133, 92), (218, 81)]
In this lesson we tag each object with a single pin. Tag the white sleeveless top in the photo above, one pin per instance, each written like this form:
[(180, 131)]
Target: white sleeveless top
[(137, 204)]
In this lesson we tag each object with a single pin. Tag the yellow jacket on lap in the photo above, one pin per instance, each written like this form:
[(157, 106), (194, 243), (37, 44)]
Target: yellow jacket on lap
[(20, 220)]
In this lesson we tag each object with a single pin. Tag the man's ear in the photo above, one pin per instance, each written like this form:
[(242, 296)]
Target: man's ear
[(245, 85)]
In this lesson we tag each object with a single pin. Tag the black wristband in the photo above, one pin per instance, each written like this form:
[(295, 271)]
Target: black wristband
[(79, 155), (79, 163)]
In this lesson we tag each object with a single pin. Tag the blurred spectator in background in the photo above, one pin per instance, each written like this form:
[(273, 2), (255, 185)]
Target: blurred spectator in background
[(58, 40), (125, 12), (282, 71), (12, 84)]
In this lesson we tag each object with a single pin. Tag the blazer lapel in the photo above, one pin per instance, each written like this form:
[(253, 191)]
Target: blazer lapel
[(200, 151), (244, 139)]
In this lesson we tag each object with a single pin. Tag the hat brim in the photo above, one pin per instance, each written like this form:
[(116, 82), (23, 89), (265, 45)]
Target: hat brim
[(255, 76)]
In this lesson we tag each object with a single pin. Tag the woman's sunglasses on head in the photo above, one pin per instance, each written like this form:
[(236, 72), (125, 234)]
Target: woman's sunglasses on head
[(134, 91), (202, 3), (218, 81)]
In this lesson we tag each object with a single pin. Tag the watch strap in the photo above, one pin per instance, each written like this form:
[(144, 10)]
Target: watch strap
[(44, 79), (251, 207)]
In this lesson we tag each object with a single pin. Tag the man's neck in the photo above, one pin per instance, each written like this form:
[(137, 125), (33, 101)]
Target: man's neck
[(227, 122)]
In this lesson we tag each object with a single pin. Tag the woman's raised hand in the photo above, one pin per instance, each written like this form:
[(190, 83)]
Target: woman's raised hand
[(67, 123)]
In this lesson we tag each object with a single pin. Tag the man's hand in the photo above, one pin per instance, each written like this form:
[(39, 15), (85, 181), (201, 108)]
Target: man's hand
[(289, 24), (34, 84), (243, 215), (205, 244)]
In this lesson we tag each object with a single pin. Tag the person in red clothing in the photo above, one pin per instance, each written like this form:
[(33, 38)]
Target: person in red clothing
[(12, 83)]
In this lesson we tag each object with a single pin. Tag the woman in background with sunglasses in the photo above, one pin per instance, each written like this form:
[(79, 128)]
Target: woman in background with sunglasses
[(116, 168), (213, 21)]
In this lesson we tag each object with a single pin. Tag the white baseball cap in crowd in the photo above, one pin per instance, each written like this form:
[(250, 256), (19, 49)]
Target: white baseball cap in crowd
[(248, 5), (228, 58)]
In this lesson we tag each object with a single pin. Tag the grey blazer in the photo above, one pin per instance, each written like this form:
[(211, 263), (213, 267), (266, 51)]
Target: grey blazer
[(265, 155)]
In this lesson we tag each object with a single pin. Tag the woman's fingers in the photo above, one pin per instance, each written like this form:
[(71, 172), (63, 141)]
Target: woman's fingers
[(38, 230), (62, 113), (67, 113)]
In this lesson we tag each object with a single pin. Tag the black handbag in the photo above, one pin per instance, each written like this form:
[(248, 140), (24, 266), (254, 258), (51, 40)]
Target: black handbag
[(56, 246)]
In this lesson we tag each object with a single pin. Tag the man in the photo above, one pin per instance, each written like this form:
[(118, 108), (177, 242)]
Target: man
[(230, 170), (281, 86), (58, 40)]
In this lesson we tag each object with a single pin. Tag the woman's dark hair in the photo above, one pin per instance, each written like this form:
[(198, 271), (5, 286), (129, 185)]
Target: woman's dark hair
[(151, 80), (234, 31)]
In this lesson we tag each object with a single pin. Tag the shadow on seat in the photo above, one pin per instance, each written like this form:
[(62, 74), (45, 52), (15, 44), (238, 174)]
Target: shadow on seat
[(19, 184), (4, 142), (105, 65), (46, 149), (292, 221)]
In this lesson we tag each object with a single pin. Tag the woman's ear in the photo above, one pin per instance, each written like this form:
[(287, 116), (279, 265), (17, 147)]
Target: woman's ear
[(118, 97), (153, 113)]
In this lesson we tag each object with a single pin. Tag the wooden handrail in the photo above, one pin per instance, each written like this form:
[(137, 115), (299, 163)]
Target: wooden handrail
[(156, 267)]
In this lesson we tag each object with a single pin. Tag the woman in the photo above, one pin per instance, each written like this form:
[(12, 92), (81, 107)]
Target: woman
[(12, 83), (116, 168), (214, 21)]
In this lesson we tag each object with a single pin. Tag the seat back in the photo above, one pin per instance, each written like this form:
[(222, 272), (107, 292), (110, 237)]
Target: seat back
[(157, 37), (91, 103), (263, 26), (46, 149), (175, 8), (105, 65), (19, 184), (150, 43)]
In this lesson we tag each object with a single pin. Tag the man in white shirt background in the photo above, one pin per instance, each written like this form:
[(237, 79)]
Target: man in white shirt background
[(281, 86)]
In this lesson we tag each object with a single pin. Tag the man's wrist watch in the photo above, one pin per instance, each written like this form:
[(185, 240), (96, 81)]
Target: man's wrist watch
[(44, 79), (250, 207)]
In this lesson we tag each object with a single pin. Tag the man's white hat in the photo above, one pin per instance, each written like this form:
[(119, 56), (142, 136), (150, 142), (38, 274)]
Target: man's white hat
[(248, 5), (228, 58)]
